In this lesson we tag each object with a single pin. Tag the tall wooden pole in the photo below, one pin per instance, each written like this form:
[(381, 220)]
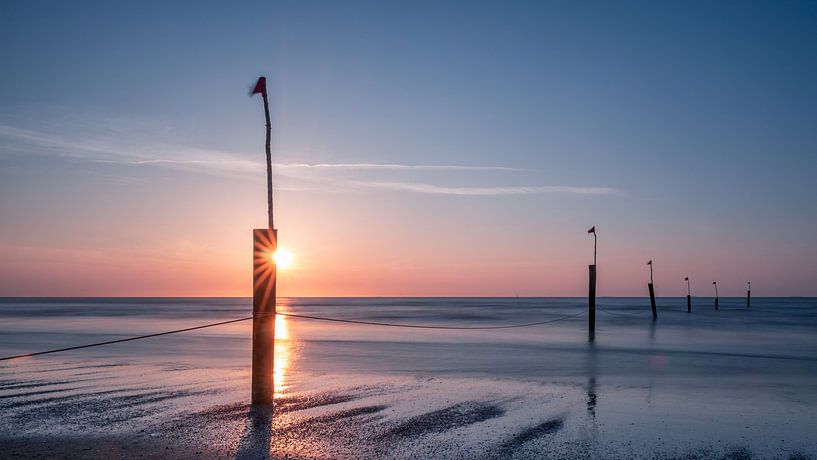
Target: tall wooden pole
[(265, 242), (270, 214), (716, 294)]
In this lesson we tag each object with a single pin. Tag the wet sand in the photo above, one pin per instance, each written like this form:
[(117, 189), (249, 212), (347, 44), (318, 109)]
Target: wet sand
[(685, 388), (72, 416)]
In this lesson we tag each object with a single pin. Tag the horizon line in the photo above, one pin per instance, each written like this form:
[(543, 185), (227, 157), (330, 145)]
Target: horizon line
[(408, 297)]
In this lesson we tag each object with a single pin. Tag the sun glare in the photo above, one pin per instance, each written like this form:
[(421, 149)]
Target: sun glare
[(283, 258)]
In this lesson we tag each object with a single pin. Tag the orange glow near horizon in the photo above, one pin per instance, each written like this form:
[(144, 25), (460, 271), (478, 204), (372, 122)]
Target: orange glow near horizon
[(377, 260)]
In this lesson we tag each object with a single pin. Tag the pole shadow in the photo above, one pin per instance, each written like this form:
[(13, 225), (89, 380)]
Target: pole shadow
[(255, 440), (589, 428), (592, 398)]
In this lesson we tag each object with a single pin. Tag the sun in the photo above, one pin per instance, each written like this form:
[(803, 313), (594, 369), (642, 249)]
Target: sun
[(283, 258)]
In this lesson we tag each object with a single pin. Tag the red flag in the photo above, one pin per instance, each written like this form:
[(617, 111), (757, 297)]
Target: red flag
[(260, 87), (592, 230)]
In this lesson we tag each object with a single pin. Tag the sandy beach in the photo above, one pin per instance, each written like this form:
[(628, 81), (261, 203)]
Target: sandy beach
[(686, 387)]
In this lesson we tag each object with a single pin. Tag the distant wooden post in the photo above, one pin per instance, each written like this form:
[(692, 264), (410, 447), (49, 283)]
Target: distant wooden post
[(652, 294), (689, 296), (716, 294), (265, 242), (591, 300), (591, 295), (749, 294)]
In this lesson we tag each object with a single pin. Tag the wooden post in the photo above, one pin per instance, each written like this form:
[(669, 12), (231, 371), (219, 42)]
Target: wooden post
[(715, 283), (591, 295), (689, 296), (591, 303), (652, 294), (749, 295), (265, 242)]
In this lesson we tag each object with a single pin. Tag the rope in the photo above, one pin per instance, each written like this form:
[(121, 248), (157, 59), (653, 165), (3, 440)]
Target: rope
[(633, 315), (123, 340), (418, 326), (372, 323)]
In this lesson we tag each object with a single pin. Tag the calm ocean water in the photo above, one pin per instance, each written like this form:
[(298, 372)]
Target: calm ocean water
[(771, 332), (745, 376)]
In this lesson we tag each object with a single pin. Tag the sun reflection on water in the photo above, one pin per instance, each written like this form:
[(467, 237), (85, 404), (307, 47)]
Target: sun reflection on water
[(283, 355)]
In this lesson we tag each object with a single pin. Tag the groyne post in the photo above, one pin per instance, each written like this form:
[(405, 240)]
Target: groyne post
[(591, 303), (591, 295), (749, 294), (689, 296), (652, 294), (263, 309)]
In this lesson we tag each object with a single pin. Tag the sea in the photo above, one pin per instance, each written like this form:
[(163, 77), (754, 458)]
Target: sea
[(734, 382)]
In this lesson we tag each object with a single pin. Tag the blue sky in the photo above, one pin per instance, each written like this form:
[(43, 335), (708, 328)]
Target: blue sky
[(685, 131)]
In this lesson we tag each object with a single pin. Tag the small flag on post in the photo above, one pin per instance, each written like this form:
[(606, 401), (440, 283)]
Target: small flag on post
[(592, 229), (260, 87)]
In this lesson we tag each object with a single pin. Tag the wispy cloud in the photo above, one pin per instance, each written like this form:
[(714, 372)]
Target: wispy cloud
[(331, 177), (393, 167), (113, 152), (176, 156), (484, 191)]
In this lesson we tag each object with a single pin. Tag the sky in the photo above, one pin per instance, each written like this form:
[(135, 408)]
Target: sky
[(420, 148)]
